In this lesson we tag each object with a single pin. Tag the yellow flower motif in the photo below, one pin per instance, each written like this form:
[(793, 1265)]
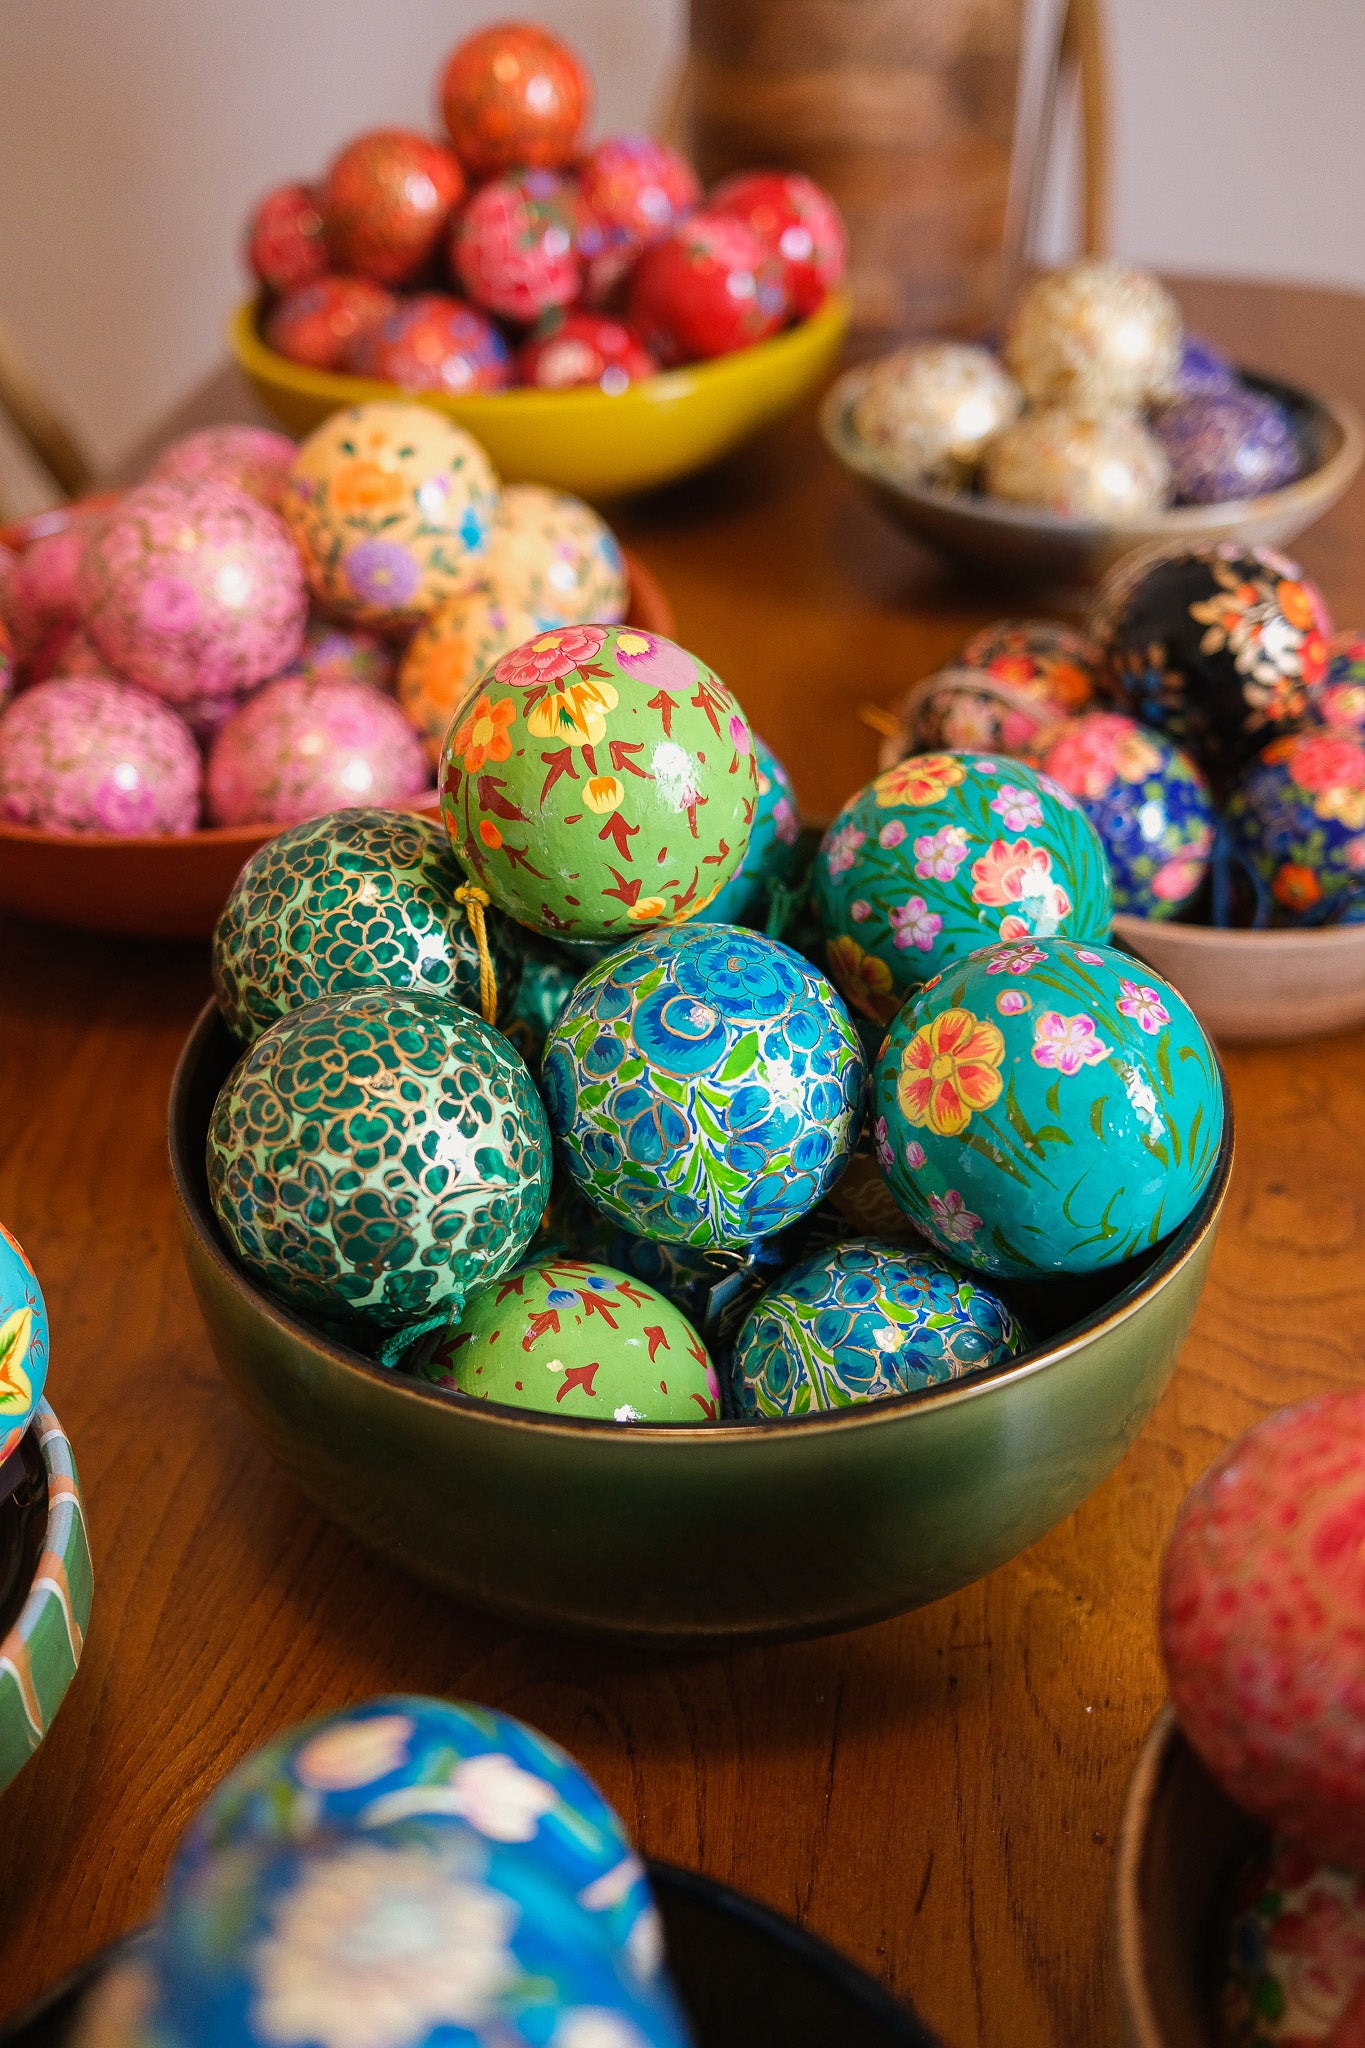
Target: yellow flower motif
[(1343, 803), (16, 1335), (647, 909), (923, 779), (632, 643), (863, 978), (576, 713), (950, 1068), (603, 794)]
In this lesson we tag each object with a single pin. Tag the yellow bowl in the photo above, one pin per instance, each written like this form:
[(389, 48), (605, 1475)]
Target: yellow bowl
[(585, 441)]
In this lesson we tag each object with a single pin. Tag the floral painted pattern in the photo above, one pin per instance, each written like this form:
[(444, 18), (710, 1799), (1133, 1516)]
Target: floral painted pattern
[(1298, 819), (1067, 1043), (771, 859), (1143, 1004), (914, 924), (23, 1343), (949, 1069), (921, 780), (551, 555)]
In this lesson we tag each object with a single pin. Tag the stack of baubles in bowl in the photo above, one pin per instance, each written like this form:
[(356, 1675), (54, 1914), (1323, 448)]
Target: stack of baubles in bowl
[(647, 327), (1213, 726), (697, 1397), (1100, 427), (257, 634)]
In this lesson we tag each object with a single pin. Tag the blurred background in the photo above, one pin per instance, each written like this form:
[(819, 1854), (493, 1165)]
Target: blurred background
[(135, 133)]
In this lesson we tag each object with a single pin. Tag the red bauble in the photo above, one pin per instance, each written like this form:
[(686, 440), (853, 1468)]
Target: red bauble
[(432, 342), (1263, 1623), (285, 243), (708, 287), (512, 95), (386, 202), (798, 222), (514, 247), (585, 348), (320, 323), (637, 188)]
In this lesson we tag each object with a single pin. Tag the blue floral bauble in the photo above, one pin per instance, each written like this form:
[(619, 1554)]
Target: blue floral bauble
[(1340, 703), (861, 1322), (1298, 818), (1147, 800), (772, 852), (23, 1342), (705, 1085), (1047, 1108)]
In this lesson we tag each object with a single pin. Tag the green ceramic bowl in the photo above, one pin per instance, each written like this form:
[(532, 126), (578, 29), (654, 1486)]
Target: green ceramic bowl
[(45, 1588), (723, 1532)]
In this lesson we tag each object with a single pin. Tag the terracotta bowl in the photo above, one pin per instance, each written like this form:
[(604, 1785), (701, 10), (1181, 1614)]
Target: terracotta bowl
[(1026, 541), (812, 1525), (157, 886), (1248, 987), (45, 1588), (1181, 1847)]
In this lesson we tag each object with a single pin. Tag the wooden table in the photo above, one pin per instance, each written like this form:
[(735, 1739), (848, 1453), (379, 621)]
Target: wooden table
[(939, 1795)]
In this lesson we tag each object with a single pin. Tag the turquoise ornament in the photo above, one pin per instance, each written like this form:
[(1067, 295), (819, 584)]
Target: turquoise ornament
[(773, 851), (705, 1084), (371, 1158), (545, 981), (861, 1322), (347, 901), (943, 854), (23, 1343), (1047, 1107)]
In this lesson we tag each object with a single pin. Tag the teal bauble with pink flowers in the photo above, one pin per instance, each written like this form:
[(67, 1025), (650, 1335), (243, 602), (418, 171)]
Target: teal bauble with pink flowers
[(946, 853), (1047, 1107)]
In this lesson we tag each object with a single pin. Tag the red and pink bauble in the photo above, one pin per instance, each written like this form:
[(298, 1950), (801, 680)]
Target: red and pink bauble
[(251, 459), (634, 190), (797, 223), (513, 248), (584, 348), (709, 287), (285, 243), (386, 203), (88, 754), (346, 654), (514, 95), (6, 661), (434, 343), (321, 323), (298, 748)]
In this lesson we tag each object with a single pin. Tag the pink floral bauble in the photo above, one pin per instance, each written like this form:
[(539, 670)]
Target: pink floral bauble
[(69, 653), (251, 459), (298, 748), (87, 754), (514, 247), (346, 654), (6, 660), (193, 590)]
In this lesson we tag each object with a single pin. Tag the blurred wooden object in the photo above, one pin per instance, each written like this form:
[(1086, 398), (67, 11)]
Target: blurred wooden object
[(35, 420)]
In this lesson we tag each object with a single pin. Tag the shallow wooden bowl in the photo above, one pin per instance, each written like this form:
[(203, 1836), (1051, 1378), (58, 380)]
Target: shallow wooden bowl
[(45, 1588), (161, 886), (810, 1525), (1247, 987), (1025, 541)]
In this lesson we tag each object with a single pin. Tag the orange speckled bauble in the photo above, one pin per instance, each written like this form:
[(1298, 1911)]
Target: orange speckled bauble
[(514, 97), (386, 201)]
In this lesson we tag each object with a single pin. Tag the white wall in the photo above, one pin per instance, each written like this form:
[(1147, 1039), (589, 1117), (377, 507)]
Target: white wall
[(135, 133)]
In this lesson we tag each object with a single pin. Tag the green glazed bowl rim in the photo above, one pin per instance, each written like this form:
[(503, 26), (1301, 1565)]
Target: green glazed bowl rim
[(64, 1557), (187, 1173)]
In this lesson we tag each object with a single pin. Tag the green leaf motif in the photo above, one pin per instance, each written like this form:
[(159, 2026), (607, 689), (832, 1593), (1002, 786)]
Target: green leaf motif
[(742, 1059)]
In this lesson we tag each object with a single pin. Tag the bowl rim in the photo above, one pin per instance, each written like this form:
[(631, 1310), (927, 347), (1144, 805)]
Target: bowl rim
[(63, 1519), (1235, 938), (1172, 522), (1180, 1248)]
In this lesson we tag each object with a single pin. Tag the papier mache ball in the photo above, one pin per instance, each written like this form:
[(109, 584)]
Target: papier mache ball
[(797, 223), (351, 900), (864, 1321), (373, 1156), (1221, 646), (1203, 370), (553, 556), (285, 244), (88, 754), (451, 649), (1009, 681), (251, 459), (344, 654), (1101, 467), (431, 342), (386, 202), (23, 1342), (1047, 1107), (635, 190), (1297, 817), (571, 1338), (598, 779), (514, 246), (192, 590), (771, 856), (574, 348), (6, 661), (297, 748), (320, 323), (1233, 444), (944, 854), (390, 506), (930, 410), (514, 95), (1340, 703), (1262, 1591), (1094, 335), (44, 602), (1295, 1954), (705, 1085), (708, 287)]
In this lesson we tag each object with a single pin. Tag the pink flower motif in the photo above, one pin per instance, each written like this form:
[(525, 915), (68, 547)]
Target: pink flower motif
[(915, 924), (860, 910), (914, 1155), (1355, 854), (1177, 879), (939, 855), (1012, 1002), (984, 766), (662, 664), (1015, 959), (842, 848), (550, 655), (953, 1219), (1142, 1003), (1090, 959), (739, 734), (891, 834), (1067, 1043), (881, 1141), (169, 604), (1017, 808), (785, 823)]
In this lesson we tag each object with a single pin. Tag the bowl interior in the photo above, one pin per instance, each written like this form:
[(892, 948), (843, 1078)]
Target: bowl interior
[(23, 1524)]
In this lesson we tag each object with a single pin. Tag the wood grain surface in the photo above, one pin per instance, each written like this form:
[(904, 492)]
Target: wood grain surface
[(938, 1795)]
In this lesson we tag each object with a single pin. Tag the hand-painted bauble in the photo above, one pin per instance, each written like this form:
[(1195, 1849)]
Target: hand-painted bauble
[(577, 348), (373, 1157), (772, 853), (570, 1338), (74, 654), (386, 202), (43, 590), (345, 654), (449, 652), (798, 223), (87, 754), (865, 1321), (1047, 1107), (1294, 1969), (944, 854), (551, 555), (707, 288), (1297, 817), (1095, 335), (1222, 646), (1147, 800), (390, 506), (543, 986), (432, 342), (6, 661), (1340, 703), (1204, 370), (1262, 1599), (929, 411), (513, 248), (635, 189), (1349, 907), (285, 245), (1101, 467), (298, 748), (1236, 444), (319, 323), (1009, 681), (23, 1342), (192, 590), (511, 95), (705, 1085), (251, 459), (348, 901)]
